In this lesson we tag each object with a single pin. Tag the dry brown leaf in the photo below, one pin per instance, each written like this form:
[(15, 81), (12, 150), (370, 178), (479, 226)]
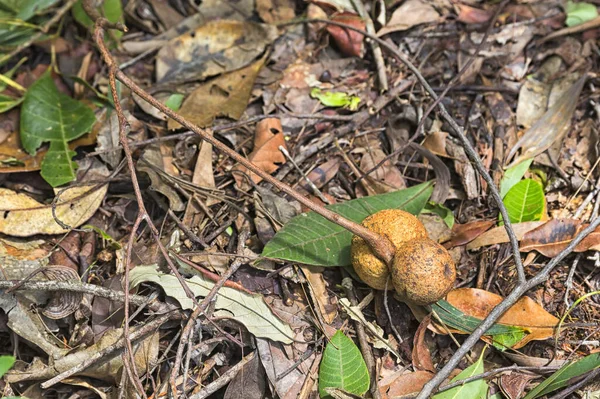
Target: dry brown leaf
[(465, 233), (513, 384), (384, 179), (349, 42), (421, 357), (275, 11), (214, 48), (472, 15), (23, 216), (552, 237), (525, 313), (436, 143), (498, 235), (327, 305), (405, 384), (154, 163), (410, 13), (265, 155), (322, 174), (226, 95)]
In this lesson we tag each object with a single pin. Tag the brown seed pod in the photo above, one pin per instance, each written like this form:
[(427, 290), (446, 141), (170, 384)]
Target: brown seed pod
[(398, 226)]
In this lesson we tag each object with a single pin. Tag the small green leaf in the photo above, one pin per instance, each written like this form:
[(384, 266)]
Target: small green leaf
[(343, 367), (50, 116), (332, 99), (440, 210), (111, 10), (7, 102), (6, 362), (513, 175), (525, 201), (563, 376), (29, 8), (174, 101), (472, 390), (578, 13), (311, 239)]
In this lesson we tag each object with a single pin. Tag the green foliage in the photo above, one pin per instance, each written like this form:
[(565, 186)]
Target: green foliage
[(513, 175), (504, 336), (578, 13), (440, 210), (50, 116), (525, 201), (174, 101), (311, 239), (472, 390), (6, 362), (563, 376), (111, 10), (332, 99), (343, 367)]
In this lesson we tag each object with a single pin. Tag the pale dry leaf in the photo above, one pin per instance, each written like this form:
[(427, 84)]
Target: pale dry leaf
[(275, 11), (410, 13), (152, 163)]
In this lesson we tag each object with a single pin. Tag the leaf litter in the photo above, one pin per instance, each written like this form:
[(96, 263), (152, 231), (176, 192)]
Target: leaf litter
[(259, 81)]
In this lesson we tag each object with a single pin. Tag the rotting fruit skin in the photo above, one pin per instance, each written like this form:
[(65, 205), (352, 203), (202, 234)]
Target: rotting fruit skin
[(423, 271), (398, 226)]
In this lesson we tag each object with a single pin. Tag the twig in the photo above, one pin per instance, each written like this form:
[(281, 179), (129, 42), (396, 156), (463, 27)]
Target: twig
[(377, 55), (110, 351), (44, 29), (314, 188), (223, 380)]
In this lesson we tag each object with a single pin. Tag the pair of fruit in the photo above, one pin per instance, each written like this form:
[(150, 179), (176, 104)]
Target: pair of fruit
[(422, 271)]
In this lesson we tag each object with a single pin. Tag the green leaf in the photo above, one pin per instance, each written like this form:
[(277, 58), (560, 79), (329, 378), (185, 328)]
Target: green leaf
[(174, 101), (525, 201), (311, 239), (472, 390), (343, 367), (6, 362), (111, 10), (563, 376), (332, 99), (7, 102), (50, 116), (503, 335), (247, 309), (513, 175), (440, 210), (29, 8), (578, 13)]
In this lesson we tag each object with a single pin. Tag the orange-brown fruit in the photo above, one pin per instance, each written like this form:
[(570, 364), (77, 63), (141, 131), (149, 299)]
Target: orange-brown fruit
[(398, 226), (422, 271)]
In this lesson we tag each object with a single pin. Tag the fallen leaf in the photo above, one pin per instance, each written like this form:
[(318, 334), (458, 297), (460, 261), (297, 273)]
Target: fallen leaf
[(384, 179), (472, 15), (265, 155), (250, 380), (525, 313), (513, 384), (226, 95), (349, 42), (405, 384), (421, 357), (465, 233), (322, 174), (411, 13), (275, 11), (275, 362), (436, 143), (214, 48), (327, 305), (552, 237), (152, 163), (249, 310), (23, 216), (498, 235)]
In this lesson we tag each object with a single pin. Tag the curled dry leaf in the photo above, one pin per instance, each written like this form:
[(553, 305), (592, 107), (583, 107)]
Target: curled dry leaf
[(472, 15), (421, 357), (526, 313), (349, 42), (405, 384), (410, 13), (384, 179), (266, 154), (212, 49), (275, 11), (465, 233), (22, 216), (552, 237), (498, 235)]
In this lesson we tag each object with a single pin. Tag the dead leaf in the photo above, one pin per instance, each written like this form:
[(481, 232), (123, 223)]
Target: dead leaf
[(275, 362), (318, 290), (384, 179), (552, 237), (275, 11), (349, 42), (226, 95), (464, 168), (498, 235), (436, 143), (513, 384), (214, 48), (421, 357), (167, 15), (265, 155), (153, 164), (464, 233), (107, 129), (405, 384), (410, 13), (525, 313), (322, 174), (472, 15), (250, 380), (23, 216)]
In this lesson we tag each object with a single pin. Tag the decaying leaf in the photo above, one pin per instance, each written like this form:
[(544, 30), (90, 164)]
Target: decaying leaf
[(421, 357), (327, 306), (275, 11), (226, 95), (465, 233), (266, 154), (384, 179), (405, 384), (348, 41), (410, 13), (214, 48), (249, 310), (23, 216), (153, 164), (525, 313), (498, 235), (552, 237)]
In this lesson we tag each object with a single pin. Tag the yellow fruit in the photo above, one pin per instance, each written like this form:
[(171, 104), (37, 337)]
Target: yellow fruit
[(422, 271), (398, 226)]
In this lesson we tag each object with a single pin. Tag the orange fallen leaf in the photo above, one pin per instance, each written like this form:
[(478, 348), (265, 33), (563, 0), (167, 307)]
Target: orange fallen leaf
[(498, 235), (265, 155), (464, 233), (348, 41)]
